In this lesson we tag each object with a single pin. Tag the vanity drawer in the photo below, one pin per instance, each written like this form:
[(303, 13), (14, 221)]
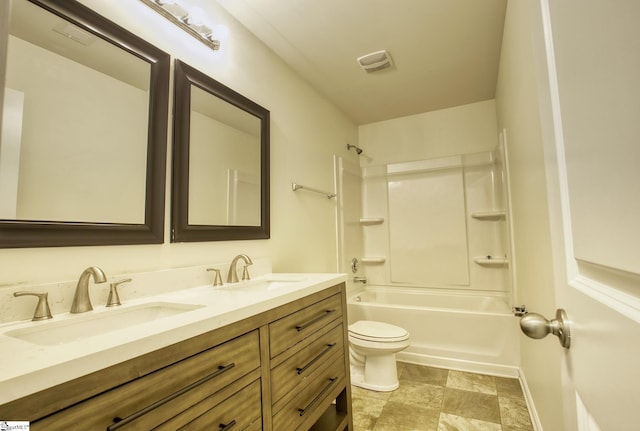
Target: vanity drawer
[(308, 401), (152, 397), (290, 330), (240, 411), (298, 368)]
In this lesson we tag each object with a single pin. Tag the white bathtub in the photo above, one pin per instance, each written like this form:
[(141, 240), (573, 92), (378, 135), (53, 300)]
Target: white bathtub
[(462, 331)]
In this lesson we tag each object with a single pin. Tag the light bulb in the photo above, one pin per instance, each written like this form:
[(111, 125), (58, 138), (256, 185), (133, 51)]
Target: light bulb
[(195, 17), (173, 8), (220, 32)]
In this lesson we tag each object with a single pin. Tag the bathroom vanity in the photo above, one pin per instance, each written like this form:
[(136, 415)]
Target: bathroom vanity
[(253, 356)]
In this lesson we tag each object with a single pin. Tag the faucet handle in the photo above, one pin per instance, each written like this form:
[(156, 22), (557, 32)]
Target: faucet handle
[(114, 298), (42, 311), (217, 279), (245, 273)]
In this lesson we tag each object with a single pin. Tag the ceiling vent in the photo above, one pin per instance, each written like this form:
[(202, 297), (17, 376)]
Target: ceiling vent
[(375, 61)]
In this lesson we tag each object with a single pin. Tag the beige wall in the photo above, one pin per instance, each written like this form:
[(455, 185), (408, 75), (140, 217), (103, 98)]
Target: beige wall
[(306, 130), (459, 130), (517, 108)]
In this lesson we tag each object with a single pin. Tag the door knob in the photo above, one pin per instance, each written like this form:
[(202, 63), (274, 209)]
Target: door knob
[(536, 326)]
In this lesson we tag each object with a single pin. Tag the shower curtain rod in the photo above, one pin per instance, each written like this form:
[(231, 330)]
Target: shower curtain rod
[(296, 186)]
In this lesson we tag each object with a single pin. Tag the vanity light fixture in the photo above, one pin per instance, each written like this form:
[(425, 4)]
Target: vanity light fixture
[(189, 21)]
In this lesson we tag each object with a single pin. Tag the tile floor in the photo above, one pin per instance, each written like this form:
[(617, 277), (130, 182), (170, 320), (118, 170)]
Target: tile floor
[(436, 399)]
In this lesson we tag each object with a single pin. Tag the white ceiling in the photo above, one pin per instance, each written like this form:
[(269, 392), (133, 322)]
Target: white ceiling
[(445, 52)]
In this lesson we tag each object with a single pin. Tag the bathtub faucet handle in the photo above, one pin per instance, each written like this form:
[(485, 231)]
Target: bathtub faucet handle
[(354, 265)]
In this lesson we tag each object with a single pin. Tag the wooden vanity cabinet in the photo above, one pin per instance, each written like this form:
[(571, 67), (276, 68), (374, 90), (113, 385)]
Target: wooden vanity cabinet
[(282, 370)]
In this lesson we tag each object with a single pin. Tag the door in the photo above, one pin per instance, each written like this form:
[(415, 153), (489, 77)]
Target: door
[(589, 51)]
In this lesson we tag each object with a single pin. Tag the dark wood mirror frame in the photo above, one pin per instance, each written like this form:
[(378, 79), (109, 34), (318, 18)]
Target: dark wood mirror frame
[(16, 233), (185, 77)]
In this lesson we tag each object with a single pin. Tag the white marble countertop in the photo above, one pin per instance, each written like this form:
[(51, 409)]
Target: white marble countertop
[(26, 368)]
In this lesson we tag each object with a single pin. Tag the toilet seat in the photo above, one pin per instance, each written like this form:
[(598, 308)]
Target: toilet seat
[(379, 332)]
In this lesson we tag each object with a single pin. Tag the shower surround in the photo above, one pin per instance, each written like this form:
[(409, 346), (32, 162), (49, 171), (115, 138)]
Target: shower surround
[(436, 256)]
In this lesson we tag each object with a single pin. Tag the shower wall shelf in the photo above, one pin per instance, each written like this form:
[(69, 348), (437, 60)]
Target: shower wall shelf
[(366, 221), (372, 260), (489, 215), (491, 261)]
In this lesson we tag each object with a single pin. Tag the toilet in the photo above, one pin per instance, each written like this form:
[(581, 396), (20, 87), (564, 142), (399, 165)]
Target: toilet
[(372, 352)]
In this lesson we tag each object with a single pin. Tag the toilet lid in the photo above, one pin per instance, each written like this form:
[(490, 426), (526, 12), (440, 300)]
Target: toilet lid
[(377, 331)]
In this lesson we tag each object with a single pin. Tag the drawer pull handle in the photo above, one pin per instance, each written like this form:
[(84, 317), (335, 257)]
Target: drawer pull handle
[(318, 397), (118, 422), (314, 360), (225, 427), (315, 319)]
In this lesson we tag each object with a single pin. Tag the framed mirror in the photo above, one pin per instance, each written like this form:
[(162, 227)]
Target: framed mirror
[(84, 129), (220, 161)]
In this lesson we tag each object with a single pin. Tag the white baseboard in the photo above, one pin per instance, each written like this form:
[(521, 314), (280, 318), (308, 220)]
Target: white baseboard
[(460, 365), (533, 413)]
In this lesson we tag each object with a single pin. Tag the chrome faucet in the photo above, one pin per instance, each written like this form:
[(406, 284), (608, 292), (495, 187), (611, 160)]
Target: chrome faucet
[(232, 277), (81, 300)]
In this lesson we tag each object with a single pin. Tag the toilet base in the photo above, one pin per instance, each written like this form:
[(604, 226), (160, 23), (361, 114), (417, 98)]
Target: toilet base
[(378, 374)]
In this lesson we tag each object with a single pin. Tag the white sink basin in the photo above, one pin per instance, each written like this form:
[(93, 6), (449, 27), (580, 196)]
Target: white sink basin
[(91, 324)]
